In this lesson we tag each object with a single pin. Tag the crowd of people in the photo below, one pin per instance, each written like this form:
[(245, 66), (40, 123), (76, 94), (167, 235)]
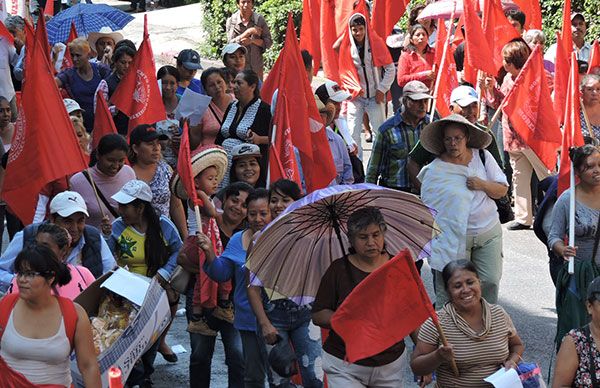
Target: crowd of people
[(131, 209)]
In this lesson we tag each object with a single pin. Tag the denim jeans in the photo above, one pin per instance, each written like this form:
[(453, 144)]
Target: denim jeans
[(203, 348), (293, 324), (255, 360)]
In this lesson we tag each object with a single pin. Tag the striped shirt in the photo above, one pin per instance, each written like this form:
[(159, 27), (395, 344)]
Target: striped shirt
[(475, 358)]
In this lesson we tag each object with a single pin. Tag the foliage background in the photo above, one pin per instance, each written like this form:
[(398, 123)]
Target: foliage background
[(275, 13)]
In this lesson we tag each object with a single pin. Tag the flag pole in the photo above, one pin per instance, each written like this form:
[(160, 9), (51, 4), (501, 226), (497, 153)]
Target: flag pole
[(445, 343), (198, 217), (571, 266), (587, 119), (95, 190), (436, 86)]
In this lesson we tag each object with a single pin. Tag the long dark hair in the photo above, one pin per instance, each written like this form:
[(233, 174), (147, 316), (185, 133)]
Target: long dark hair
[(412, 30), (39, 258), (155, 249)]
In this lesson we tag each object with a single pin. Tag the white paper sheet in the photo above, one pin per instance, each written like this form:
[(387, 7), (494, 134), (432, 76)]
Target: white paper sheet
[(127, 285), (503, 378), (192, 105)]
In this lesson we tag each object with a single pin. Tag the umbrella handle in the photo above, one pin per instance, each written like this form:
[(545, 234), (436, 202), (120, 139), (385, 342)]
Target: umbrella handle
[(445, 343)]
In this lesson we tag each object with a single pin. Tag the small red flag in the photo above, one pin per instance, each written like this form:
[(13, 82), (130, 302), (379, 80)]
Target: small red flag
[(67, 60), (184, 167), (4, 33), (103, 121), (49, 8), (386, 14), (310, 30), (383, 309), (572, 136), (442, 36), (458, 31), (594, 57), (44, 131), (497, 29), (447, 82), (561, 77), (137, 94), (379, 52), (328, 37), (478, 52), (282, 159), (526, 107)]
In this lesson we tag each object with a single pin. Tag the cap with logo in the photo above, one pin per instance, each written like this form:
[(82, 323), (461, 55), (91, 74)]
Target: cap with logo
[(146, 133), (330, 90), (245, 149), (230, 48), (416, 90), (190, 59), (464, 96), (67, 203), (132, 190), (71, 105)]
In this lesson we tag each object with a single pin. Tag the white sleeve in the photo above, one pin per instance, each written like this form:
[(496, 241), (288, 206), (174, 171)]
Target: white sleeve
[(493, 172), (40, 210)]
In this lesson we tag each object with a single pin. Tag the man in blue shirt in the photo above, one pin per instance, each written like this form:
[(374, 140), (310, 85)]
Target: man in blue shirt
[(188, 63)]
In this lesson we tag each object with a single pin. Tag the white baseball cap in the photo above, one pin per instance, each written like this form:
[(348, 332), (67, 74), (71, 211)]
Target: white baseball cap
[(71, 105), (330, 90), (132, 190), (245, 149), (463, 95), (67, 203)]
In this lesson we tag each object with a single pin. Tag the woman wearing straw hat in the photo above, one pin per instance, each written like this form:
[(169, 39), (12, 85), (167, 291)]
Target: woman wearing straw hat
[(461, 185)]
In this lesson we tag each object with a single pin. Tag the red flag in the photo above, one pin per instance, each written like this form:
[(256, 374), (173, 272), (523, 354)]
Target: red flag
[(458, 32), (103, 121), (343, 9), (310, 30), (533, 13), (44, 131), (526, 106), (478, 52), (4, 33), (572, 136), (41, 38), (442, 36), (282, 159), (49, 8), (383, 309), (295, 100), (379, 51), (328, 37), (594, 57), (67, 60), (447, 82), (184, 166), (386, 14), (497, 29), (561, 77), (137, 94)]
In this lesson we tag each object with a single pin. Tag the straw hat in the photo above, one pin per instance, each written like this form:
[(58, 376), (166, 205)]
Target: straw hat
[(432, 135), (202, 158), (105, 32)]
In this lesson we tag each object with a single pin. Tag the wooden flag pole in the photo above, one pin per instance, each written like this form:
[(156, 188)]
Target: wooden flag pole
[(445, 343), (95, 192)]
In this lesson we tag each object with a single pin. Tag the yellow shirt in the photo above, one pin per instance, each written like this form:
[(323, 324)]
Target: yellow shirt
[(131, 250)]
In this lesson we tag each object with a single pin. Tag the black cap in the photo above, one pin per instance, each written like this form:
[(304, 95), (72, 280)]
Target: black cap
[(190, 59), (145, 133), (593, 289), (283, 359)]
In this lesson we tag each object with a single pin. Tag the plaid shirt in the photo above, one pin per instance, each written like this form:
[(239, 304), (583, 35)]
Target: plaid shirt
[(394, 141)]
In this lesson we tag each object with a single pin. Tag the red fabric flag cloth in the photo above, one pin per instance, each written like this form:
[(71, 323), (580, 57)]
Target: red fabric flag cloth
[(4, 33), (305, 125), (137, 94), (526, 107), (478, 52), (458, 31), (379, 51), (184, 166), (383, 309), (447, 82), (442, 36), (67, 60), (561, 77), (43, 132), (310, 30), (49, 8), (342, 11), (533, 13), (282, 159), (594, 57), (327, 38), (572, 136), (103, 121), (386, 14), (41, 38), (497, 29)]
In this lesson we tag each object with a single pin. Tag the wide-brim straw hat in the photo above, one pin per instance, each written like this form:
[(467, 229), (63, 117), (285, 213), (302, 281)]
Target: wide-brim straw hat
[(432, 136), (202, 158)]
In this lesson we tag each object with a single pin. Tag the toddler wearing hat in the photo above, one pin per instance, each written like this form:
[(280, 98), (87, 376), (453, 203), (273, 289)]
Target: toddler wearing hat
[(209, 164)]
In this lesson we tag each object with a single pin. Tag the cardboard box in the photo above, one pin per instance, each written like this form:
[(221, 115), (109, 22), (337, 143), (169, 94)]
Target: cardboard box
[(152, 319)]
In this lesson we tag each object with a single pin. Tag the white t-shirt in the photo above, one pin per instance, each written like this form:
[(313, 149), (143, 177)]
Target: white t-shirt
[(484, 213)]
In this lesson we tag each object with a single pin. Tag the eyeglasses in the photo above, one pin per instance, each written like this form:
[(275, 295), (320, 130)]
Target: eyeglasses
[(452, 139), (28, 274)]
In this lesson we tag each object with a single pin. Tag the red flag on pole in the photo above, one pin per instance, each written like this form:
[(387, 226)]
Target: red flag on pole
[(572, 136), (328, 37), (343, 9), (386, 14), (41, 38), (533, 13), (478, 52), (4, 33), (184, 166), (447, 82), (594, 57), (526, 106), (103, 121), (497, 29), (67, 60), (49, 8), (137, 94), (44, 132), (383, 309), (442, 36), (282, 159), (561, 77), (310, 30), (295, 100)]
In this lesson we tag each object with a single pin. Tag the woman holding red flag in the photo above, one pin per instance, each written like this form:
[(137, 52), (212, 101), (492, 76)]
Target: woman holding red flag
[(416, 61)]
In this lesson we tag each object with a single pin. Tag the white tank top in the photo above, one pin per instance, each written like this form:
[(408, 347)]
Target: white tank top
[(42, 361)]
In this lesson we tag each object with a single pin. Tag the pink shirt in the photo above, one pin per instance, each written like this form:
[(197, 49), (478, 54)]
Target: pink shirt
[(81, 278), (210, 125)]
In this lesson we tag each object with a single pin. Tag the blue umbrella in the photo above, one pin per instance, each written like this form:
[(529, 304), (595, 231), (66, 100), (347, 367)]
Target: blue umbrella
[(87, 18)]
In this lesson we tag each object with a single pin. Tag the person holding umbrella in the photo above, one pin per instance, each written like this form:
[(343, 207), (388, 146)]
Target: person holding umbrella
[(366, 231)]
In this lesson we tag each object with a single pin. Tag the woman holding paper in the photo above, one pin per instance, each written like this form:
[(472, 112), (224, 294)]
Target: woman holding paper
[(481, 336), (571, 309)]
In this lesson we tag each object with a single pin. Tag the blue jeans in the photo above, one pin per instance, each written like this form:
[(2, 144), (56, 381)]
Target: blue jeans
[(292, 323), (203, 348), (255, 360)]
